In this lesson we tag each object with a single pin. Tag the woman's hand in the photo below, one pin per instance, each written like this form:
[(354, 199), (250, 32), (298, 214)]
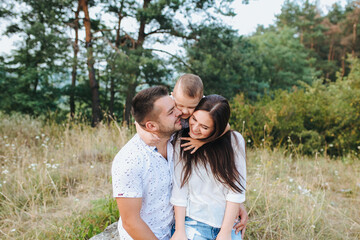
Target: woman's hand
[(193, 144), (179, 235)]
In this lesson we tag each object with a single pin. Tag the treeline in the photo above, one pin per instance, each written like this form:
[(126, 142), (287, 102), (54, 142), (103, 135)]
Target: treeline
[(316, 119), (87, 59)]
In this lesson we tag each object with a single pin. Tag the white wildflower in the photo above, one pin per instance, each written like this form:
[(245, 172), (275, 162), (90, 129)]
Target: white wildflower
[(5, 137), (91, 166), (13, 230), (43, 135), (37, 137), (249, 140), (7, 145), (291, 180), (5, 171)]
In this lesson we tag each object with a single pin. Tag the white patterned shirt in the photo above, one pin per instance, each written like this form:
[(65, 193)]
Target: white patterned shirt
[(140, 171)]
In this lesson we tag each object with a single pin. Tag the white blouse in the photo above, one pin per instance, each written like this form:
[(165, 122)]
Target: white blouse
[(203, 196)]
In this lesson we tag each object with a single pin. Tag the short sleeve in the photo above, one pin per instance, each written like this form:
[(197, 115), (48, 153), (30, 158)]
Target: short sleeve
[(127, 175), (240, 162), (179, 195)]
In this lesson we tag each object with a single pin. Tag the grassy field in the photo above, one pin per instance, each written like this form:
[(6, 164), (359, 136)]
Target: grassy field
[(55, 183)]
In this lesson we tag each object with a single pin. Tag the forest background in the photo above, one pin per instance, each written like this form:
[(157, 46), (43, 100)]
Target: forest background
[(294, 87)]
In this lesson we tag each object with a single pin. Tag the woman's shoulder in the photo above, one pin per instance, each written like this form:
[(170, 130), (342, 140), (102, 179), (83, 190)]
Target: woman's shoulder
[(238, 137)]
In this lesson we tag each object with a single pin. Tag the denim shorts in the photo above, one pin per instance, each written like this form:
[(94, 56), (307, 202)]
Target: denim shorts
[(196, 230)]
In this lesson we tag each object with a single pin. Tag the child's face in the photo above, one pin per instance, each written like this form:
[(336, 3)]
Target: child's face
[(185, 103)]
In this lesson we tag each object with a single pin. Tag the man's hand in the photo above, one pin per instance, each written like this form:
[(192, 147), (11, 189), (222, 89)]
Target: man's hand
[(241, 226)]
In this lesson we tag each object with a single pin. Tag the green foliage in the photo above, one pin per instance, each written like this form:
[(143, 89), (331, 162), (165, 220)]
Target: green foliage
[(103, 214), (285, 60), (227, 64), (317, 119)]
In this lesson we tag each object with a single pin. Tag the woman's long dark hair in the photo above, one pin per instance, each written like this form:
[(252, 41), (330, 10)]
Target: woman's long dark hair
[(218, 153)]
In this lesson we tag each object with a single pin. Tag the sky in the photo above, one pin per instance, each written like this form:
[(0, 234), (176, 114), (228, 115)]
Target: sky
[(248, 17)]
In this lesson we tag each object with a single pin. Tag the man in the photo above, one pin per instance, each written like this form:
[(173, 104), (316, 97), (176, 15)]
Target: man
[(142, 174)]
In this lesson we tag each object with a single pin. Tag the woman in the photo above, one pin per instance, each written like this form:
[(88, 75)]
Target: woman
[(209, 185)]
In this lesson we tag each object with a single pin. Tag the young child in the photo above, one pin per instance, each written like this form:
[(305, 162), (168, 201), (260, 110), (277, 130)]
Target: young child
[(187, 93)]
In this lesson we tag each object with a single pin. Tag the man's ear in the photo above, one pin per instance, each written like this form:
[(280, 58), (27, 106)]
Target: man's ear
[(151, 126)]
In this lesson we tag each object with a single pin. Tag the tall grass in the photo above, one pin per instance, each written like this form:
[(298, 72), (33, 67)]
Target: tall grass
[(50, 174), (56, 184)]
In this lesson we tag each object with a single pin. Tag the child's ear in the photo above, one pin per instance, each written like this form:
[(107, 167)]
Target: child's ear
[(151, 126), (171, 94)]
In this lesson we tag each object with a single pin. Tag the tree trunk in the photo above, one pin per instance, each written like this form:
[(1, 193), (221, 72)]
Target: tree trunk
[(354, 40), (141, 35), (74, 66), (343, 64), (94, 85), (112, 96), (129, 96)]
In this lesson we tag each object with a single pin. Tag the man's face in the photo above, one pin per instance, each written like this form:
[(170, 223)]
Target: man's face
[(185, 103), (168, 117)]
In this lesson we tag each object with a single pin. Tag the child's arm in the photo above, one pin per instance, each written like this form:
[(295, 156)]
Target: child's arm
[(195, 144), (231, 213), (179, 233), (149, 138)]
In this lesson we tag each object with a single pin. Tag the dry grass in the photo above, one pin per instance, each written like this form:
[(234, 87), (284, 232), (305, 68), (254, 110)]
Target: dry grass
[(50, 174)]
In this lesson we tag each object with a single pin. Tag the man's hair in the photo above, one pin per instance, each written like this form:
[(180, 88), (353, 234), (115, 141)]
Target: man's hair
[(191, 85), (143, 103)]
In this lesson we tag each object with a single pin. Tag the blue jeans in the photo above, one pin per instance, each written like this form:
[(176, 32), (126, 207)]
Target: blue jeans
[(196, 230)]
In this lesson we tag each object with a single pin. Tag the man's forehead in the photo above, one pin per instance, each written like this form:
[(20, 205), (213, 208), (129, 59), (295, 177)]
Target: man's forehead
[(166, 103)]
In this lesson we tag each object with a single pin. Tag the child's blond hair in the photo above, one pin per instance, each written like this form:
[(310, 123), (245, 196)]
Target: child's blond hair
[(191, 85)]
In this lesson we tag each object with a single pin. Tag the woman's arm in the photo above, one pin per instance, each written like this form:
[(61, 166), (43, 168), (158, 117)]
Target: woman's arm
[(231, 212), (179, 233)]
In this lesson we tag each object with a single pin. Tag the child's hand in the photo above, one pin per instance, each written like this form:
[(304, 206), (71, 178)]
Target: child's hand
[(193, 144), (179, 235), (149, 138)]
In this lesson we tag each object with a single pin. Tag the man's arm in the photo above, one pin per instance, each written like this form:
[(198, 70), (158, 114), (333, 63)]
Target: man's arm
[(129, 209), (228, 222), (241, 226)]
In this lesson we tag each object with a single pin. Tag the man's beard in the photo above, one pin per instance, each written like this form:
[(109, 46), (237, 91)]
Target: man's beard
[(169, 130)]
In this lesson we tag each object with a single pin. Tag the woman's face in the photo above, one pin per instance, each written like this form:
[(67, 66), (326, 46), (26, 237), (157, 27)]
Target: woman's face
[(201, 125)]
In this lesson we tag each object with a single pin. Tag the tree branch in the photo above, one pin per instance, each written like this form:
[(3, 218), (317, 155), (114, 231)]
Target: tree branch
[(178, 58)]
